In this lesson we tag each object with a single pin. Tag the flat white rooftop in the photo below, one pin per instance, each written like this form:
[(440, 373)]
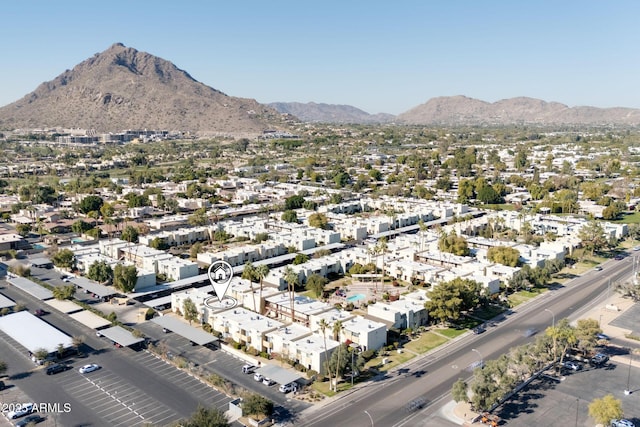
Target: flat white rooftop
[(6, 302), (33, 333)]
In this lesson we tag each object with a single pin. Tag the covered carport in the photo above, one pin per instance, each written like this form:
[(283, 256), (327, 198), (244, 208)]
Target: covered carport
[(278, 374), (161, 303), (6, 302), (33, 333), (177, 326), (120, 336), (30, 287), (90, 319), (100, 291)]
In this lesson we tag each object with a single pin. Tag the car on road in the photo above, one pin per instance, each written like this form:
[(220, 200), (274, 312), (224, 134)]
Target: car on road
[(530, 332), (599, 359), (54, 369), (618, 257), (88, 368), (21, 411), (622, 423), (39, 312), (30, 420), (286, 388), (258, 377), (570, 364), (248, 369), (268, 381), (603, 337), (598, 268), (66, 279)]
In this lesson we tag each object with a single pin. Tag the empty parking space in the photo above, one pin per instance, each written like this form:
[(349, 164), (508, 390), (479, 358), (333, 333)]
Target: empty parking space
[(207, 395), (115, 400)]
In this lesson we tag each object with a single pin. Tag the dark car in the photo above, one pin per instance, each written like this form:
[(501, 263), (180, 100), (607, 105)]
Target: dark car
[(478, 330), (40, 312), (618, 257), (599, 360), (54, 369), (30, 420)]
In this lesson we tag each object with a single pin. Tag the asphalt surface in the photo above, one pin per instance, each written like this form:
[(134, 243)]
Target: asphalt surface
[(430, 377), (131, 388)]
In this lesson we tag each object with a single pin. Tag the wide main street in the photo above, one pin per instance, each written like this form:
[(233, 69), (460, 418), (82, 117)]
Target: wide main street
[(383, 401)]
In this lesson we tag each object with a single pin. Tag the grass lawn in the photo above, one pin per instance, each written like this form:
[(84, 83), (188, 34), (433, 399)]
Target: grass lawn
[(451, 332), (487, 312), (323, 387), (633, 218), (427, 341), (519, 297), (393, 359)]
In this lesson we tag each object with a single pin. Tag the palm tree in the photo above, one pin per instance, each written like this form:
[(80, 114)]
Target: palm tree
[(337, 328), (291, 277), (381, 249), (423, 229), (249, 273), (323, 328), (261, 272)]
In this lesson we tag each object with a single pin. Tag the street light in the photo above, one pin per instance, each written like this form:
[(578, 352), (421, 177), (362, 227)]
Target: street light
[(371, 418), (627, 391), (553, 317)]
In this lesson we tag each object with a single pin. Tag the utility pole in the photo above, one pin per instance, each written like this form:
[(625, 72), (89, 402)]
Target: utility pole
[(627, 390)]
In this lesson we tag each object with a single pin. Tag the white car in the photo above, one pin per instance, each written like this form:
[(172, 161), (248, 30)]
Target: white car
[(88, 368), (286, 388), (21, 411), (268, 382), (258, 377)]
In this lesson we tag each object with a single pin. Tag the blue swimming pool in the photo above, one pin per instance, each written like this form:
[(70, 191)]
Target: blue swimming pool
[(356, 297)]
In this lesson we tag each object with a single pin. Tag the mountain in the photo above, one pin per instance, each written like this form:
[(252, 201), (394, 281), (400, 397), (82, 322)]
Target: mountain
[(122, 88), (461, 110), (330, 113)]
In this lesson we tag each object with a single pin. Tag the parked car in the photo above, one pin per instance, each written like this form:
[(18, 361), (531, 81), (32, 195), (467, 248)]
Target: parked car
[(54, 369), (603, 337), (570, 364), (599, 359), (268, 381), (258, 377), (622, 423), (30, 420), (21, 411), (478, 330), (248, 369), (88, 368), (39, 312), (286, 388)]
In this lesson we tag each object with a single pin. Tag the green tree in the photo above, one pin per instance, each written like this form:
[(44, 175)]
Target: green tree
[(323, 325), (445, 302), (488, 195), (100, 271), (592, 237), (90, 203), (257, 406), (289, 216), (196, 248), (504, 255), (80, 226), (125, 277), (249, 273), (198, 218), (586, 334), (452, 243), (293, 202), (319, 220), (23, 229), (205, 417), (300, 259), (189, 310), (159, 244), (459, 391), (130, 234), (261, 272), (315, 284), (291, 277), (63, 258), (606, 409)]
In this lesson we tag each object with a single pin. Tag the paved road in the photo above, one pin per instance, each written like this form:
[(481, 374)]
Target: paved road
[(431, 377)]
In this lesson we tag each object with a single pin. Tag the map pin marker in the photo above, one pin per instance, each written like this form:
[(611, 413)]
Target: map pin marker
[(220, 274)]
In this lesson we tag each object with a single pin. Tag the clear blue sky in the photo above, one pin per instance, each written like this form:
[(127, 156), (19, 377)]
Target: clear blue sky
[(380, 56)]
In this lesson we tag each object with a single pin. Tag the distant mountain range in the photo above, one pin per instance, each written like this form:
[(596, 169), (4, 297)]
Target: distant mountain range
[(122, 88), (330, 113)]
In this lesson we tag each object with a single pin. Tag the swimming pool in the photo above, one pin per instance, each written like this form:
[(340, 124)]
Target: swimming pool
[(356, 297)]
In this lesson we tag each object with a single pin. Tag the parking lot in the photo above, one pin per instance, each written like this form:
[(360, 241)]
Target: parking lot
[(549, 401)]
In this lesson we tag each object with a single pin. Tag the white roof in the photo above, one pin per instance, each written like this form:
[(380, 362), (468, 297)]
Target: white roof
[(32, 332), (191, 333), (64, 306), (31, 288), (90, 319), (6, 302)]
